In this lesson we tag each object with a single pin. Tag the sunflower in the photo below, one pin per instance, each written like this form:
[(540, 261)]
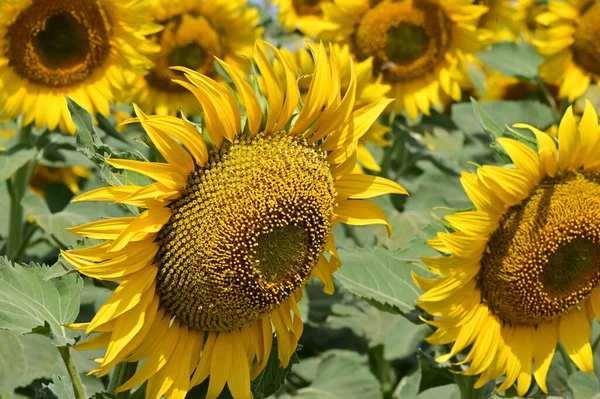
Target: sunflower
[(415, 44), (194, 33), (501, 87), (369, 89), (229, 236), (522, 271), (69, 176), (503, 19), (304, 15), (568, 38), (83, 49)]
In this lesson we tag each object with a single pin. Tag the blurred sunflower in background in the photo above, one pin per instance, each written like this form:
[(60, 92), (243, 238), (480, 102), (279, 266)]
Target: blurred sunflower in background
[(369, 89), (304, 15), (69, 176), (503, 18), (194, 33), (83, 49), (415, 44), (522, 271), (569, 39), (229, 236)]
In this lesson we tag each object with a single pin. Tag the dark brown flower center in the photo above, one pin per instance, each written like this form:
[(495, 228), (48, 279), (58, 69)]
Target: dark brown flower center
[(406, 40), (246, 233), (586, 48), (59, 43), (187, 40)]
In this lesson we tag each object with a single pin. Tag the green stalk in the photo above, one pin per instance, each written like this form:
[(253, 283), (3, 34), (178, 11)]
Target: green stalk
[(566, 360), (17, 186), (78, 389), (123, 372)]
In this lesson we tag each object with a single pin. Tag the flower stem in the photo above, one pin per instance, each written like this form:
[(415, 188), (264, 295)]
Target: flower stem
[(566, 360), (78, 389), (123, 372), (17, 186)]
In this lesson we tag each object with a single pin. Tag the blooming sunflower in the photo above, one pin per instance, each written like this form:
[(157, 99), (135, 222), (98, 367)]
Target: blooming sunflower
[(369, 89), (304, 15), (523, 266), (194, 33), (503, 19), (415, 44), (83, 49), (568, 38), (228, 237), (69, 176)]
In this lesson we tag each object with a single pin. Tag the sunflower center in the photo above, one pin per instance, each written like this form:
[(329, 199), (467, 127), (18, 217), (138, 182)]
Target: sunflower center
[(406, 40), (246, 233), (58, 43), (308, 7), (544, 258), (188, 41), (586, 48)]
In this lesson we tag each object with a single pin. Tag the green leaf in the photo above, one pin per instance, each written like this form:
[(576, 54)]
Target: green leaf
[(380, 276), (343, 375), (11, 161), (400, 337), (584, 386), (408, 387), (104, 395), (61, 387), (492, 116), (512, 59), (273, 376), (445, 391), (89, 144), (28, 301), (55, 224), (24, 358)]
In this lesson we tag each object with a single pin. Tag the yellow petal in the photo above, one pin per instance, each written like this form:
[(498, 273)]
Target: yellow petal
[(568, 142), (361, 213), (239, 374), (161, 353), (169, 148), (127, 295), (544, 345), (575, 332), (220, 364), (149, 221), (170, 175), (366, 186), (523, 157)]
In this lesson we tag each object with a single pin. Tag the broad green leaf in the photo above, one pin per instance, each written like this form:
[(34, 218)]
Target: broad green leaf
[(4, 216), (512, 59), (55, 224), (90, 144), (493, 116), (380, 276), (24, 358), (28, 301), (584, 386), (400, 338), (408, 387), (11, 161), (61, 387), (343, 375), (272, 377), (445, 391)]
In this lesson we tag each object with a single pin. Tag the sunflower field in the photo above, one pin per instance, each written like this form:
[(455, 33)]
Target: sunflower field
[(311, 199)]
